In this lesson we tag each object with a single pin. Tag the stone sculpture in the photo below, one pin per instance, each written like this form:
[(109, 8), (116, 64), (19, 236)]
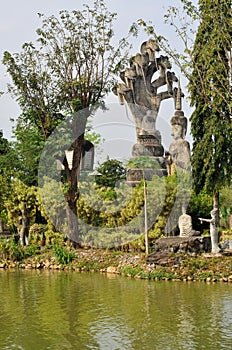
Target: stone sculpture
[(185, 225), (213, 230), (179, 149), (140, 85)]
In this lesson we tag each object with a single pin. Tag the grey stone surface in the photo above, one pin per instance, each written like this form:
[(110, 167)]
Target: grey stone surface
[(196, 244), (165, 247), (226, 244), (148, 71)]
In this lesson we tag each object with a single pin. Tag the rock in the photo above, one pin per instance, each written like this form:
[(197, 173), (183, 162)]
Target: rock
[(112, 269), (165, 247), (28, 267), (226, 244), (183, 244), (212, 255), (47, 264)]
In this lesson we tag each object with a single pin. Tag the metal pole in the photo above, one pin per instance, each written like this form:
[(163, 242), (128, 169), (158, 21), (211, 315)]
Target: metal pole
[(145, 215)]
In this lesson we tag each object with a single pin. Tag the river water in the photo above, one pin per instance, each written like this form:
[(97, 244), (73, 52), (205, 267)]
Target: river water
[(56, 310)]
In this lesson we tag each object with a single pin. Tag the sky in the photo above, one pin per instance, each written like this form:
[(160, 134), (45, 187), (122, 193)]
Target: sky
[(18, 24)]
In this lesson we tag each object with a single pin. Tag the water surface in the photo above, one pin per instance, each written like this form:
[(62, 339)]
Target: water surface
[(54, 310)]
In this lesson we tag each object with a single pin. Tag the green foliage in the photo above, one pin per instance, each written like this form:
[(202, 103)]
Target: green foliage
[(210, 91), (27, 147), (143, 162), (200, 205), (64, 255), (8, 159), (112, 172), (31, 250), (119, 222), (170, 192), (53, 237), (4, 188), (131, 270), (4, 144), (10, 250), (68, 68), (21, 197), (226, 206), (37, 233), (52, 204)]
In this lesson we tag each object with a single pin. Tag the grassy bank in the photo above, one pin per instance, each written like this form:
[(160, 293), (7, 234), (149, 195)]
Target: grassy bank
[(180, 267)]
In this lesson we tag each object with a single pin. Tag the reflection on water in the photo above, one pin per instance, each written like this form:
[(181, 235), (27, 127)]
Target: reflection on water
[(68, 310)]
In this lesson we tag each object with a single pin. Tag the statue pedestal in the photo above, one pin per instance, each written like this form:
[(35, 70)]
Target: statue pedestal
[(149, 146)]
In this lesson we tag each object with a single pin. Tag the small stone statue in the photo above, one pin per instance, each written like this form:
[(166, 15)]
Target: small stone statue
[(185, 225), (213, 230)]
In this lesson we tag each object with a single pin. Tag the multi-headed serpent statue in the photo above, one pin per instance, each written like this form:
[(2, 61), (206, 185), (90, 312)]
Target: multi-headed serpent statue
[(140, 88)]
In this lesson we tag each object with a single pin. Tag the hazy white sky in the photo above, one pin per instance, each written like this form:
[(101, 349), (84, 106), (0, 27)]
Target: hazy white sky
[(19, 21)]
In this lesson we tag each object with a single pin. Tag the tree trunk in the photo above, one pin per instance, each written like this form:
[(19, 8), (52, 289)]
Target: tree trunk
[(214, 225), (73, 232), (1, 226), (23, 233), (216, 207), (73, 192), (72, 173)]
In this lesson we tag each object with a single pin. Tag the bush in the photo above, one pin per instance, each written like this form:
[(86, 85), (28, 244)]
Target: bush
[(31, 250), (10, 250), (64, 255), (54, 238), (37, 233)]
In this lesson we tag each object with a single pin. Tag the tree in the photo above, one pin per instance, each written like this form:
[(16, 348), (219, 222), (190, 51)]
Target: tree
[(69, 69), (209, 87), (3, 190), (112, 171), (4, 144), (27, 148), (21, 204)]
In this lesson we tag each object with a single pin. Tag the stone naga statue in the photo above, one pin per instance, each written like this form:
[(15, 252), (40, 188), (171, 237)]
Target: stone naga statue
[(140, 87)]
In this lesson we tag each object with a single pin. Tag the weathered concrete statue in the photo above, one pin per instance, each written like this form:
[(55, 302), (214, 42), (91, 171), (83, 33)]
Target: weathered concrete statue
[(179, 149), (140, 85), (185, 225), (213, 230)]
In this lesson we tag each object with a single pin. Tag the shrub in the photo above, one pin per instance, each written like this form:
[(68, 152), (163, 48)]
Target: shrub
[(37, 233), (10, 250), (64, 255)]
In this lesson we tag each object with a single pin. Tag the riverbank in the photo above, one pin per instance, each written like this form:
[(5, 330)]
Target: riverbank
[(179, 267)]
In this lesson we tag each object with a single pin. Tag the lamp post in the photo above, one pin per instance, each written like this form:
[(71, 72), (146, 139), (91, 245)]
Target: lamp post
[(69, 157)]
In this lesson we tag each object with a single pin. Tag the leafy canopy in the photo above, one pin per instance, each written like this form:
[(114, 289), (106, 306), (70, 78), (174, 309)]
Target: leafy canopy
[(70, 66)]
